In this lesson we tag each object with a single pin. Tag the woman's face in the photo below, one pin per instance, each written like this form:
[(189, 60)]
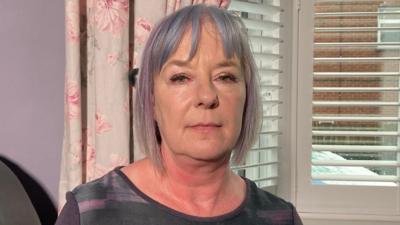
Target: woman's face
[(198, 104)]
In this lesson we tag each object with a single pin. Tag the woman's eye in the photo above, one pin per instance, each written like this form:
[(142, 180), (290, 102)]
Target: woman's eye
[(179, 78), (228, 78)]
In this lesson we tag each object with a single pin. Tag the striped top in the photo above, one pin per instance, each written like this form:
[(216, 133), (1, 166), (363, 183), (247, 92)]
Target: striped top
[(114, 199)]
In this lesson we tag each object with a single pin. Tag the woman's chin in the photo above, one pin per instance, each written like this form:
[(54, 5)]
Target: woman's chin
[(208, 155)]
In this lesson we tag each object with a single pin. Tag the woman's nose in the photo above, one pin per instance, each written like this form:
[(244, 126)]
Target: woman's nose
[(207, 95)]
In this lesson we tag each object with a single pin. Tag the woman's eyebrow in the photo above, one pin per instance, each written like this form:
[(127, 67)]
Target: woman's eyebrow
[(228, 63), (177, 62), (186, 63)]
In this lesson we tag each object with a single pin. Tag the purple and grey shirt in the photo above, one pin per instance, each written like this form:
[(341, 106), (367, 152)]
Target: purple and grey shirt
[(113, 199)]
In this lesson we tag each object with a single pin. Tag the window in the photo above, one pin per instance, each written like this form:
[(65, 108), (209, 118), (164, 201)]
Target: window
[(348, 155), (262, 20), (388, 26)]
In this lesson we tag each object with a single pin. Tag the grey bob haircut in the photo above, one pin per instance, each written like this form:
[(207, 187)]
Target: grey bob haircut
[(163, 42)]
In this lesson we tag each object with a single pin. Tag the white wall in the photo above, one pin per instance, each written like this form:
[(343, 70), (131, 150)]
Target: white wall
[(31, 87)]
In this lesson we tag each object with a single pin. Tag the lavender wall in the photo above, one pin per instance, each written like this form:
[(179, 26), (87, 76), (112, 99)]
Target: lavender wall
[(31, 87)]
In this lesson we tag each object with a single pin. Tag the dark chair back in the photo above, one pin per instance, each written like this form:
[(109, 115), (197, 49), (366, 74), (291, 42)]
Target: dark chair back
[(15, 206)]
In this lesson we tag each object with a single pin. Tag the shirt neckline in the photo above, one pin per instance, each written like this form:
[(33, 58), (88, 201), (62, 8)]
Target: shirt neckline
[(185, 216)]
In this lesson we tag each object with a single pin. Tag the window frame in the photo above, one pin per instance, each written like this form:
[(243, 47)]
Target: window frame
[(326, 202)]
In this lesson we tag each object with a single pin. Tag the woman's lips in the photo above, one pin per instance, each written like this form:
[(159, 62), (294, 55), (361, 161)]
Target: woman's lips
[(205, 127)]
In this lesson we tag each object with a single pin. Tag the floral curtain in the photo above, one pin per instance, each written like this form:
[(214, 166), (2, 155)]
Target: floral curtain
[(104, 40)]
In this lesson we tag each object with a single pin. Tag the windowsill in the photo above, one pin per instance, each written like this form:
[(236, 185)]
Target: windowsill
[(349, 217)]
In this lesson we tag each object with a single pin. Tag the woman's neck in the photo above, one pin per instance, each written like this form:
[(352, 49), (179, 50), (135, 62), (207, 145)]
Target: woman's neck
[(190, 172), (201, 188), (190, 186)]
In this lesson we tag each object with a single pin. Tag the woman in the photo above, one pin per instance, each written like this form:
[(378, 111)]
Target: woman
[(197, 104)]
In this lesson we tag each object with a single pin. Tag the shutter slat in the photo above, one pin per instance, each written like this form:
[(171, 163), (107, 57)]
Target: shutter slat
[(354, 89), (266, 178), (271, 86), (269, 67), (256, 8), (264, 42), (272, 102), (353, 29), (355, 44), (270, 71), (354, 118), (263, 25), (275, 117), (271, 132), (254, 165), (266, 58), (344, 1), (356, 148), (354, 103), (371, 178), (354, 133), (355, 74), (265, 148), (356, 59), (365, 163), (342, 14)]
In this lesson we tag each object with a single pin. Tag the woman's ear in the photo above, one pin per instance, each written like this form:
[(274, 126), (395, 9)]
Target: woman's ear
[(155, 117), (153, 103), (132, 76), (158, 134)]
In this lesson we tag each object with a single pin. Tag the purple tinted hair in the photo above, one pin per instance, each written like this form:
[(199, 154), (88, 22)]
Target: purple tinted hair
[(162, 43)]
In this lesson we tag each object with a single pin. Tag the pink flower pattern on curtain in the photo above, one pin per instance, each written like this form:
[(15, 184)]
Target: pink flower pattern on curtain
[(104, 39)]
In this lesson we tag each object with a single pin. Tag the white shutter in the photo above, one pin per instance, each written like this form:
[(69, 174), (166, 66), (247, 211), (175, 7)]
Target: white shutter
[(363, 111), (349, 162), (262, 20)]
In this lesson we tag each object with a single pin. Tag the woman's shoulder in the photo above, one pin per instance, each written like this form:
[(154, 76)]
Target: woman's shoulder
[(103, 201), (261, 199), (98, 186), (270, 207), (113, 186)]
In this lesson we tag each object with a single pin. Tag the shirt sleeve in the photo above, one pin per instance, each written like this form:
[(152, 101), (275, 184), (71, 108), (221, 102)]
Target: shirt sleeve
[(70, 213), (295, 216)]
